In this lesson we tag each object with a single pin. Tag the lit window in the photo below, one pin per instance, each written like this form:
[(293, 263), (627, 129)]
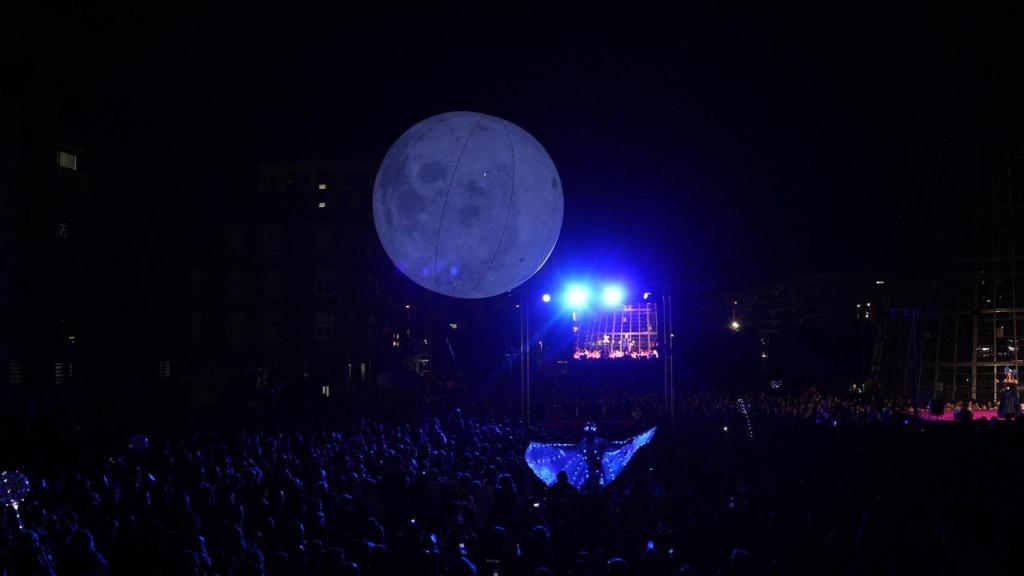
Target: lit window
[(321, 186), (165, 370), (321, 205), (325, 391), (14, 373), (453, 326), (67, 160)]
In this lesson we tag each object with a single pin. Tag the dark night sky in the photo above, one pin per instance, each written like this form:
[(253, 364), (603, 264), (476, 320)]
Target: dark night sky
[(720, 143)]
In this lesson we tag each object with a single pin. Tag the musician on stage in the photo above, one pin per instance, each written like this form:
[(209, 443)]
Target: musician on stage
[(1009, 400)]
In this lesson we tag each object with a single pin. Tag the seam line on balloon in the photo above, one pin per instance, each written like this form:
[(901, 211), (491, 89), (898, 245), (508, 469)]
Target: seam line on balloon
[(508, 213), (551, 224), (401, 161), (444, 205)]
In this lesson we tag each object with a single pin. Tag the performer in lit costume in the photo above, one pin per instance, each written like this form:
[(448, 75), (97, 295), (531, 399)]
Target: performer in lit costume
[(1009, 400), (591, 464)]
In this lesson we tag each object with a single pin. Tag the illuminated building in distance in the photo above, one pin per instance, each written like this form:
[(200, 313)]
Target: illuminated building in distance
[(961, 266)]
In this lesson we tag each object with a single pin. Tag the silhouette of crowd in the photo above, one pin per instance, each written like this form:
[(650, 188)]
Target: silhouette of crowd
[(814, 486)]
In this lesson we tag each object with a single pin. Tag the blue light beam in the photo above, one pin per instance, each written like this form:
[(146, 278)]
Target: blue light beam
[(577, 297), (613, 296)]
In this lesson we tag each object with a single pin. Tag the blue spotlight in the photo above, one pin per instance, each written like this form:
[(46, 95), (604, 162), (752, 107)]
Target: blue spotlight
[(577, 297), (613, 296), (546, 298)]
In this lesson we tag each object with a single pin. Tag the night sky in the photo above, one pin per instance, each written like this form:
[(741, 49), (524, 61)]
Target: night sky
[(712, 145)]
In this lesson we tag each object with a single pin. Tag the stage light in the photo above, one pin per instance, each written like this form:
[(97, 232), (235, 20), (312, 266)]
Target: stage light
[(735, 326), (647, 295), (577, 297), (546, 298), (613, 296)]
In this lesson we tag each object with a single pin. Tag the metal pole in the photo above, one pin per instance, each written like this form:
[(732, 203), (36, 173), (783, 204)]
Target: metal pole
[(913, 361), (522, 380), (671, 365), (667, 354), (526, 314)]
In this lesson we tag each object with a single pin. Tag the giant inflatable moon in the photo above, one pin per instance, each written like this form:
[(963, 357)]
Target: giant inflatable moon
[(467, 205)]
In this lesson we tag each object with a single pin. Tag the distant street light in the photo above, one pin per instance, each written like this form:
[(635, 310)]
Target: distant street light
[(735, 324)]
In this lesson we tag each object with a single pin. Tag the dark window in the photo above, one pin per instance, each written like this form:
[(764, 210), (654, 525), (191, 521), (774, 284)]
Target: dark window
[(324, 283), (272, 240)]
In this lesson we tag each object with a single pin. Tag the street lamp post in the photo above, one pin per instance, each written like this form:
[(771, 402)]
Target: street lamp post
[(669, 361)]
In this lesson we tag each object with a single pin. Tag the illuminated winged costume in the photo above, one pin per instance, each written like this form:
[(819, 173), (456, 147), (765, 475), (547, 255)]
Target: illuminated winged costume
[(591, 464)]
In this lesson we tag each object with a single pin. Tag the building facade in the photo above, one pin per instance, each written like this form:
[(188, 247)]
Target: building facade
[(284, 288), (959, 295)]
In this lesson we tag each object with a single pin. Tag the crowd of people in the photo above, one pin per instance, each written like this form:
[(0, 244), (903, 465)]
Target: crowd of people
[(797, 484)]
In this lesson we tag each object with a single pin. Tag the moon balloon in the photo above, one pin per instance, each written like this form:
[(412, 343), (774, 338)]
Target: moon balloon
[(467, 205)]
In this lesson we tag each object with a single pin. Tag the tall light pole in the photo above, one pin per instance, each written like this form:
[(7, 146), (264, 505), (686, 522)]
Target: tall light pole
[(522, 363), (735, 324), (669, 361), (526, 314)]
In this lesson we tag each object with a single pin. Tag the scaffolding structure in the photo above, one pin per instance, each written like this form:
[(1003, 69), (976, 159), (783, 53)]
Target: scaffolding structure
[(628, 332)]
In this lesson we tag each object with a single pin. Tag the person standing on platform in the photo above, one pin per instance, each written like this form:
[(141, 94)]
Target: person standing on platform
[(1009, 401)]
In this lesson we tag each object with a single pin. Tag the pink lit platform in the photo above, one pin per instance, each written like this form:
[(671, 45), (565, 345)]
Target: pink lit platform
[(948, 416)]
